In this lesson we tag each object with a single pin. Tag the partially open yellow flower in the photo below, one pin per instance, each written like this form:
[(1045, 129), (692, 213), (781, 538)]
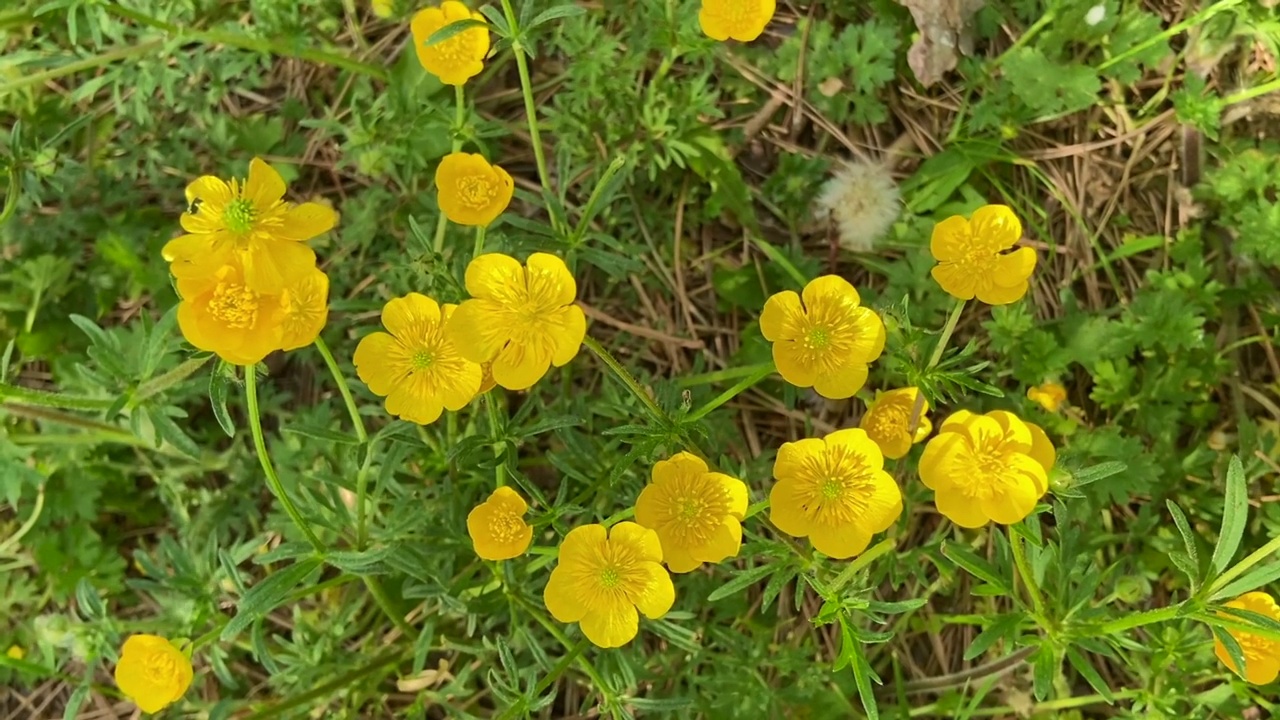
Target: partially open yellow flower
[(834, 491), (1049, 395), (15, 652), (888, 420), (461, 57), (522, 318), (737, 19), (1261, 655), (984, 468), (221, 314), (604, 576), (152, 672), (470, 190), (497, 527), (382, 8), (696, 513), (306, 310), (973, 260), (251, 222), (826, 342), (414, 365)]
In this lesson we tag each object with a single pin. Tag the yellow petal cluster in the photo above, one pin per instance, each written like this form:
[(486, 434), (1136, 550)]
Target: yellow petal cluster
[(152, 672), (521, 318), (415, 365), (888, 420), (1050, 396), (985, 468), (696, 513), (742, 20), (834, 491), (248, 282), (974, 259), (497, 527), (605, 578), (823, 338), (1261, 655), (461, 57), (470, 191)]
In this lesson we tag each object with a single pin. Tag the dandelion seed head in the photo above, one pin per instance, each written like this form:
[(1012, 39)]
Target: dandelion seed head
[(863, 200)]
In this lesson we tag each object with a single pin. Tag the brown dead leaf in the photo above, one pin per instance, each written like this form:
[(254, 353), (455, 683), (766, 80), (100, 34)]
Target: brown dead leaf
[(830, 86), (944, 34)]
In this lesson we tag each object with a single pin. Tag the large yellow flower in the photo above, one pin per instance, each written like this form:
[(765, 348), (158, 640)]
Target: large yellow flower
[(306, 310), (1049, 395), (737, 19), (152, 672), (604, 577), (461, 57), (522, 318), (985, 468), (414, 365), (834, 491), (696, 513), (221, 314), (888, 420), (1261, 655), (973, 260), (825, 342), (251, 224), (470, 190), (497, 527)]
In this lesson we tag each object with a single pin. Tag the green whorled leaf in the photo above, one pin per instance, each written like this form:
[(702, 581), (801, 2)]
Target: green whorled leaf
[(267, 595), (1252, 580), (1235, 513), (1090, 674), (742, 580), (453, 29)]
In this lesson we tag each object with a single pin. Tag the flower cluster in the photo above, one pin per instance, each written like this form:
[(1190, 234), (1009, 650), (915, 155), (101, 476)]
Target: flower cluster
[(248, 283)]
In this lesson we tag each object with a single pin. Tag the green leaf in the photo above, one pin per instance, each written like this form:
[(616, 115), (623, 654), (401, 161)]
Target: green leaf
[(1094, 473), (862, 674), (169, 431), (1231, 645), (1003, 628), (77, 699), (976, 566), (218, 382), (1235, 512), (267, 595), (1046, 663), (359, 562), (1188, 540), (742, 580), (319, 433), (1252, 580), (452, 30), (88, 602), (555, 13), (1087, 671)]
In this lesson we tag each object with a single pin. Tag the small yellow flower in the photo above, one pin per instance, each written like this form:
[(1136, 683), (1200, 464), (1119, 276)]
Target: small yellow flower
[(834, 491), (152, 672), (219, 313), (520, 318), (457, 59), (696, 513), (306, 310), (889, 417), (383, 8), (984, 468), (1261, 655), (471, 191), (414, 365), (973, 259), (497, 527), (1050, 395), (14, 652), (826, 342), (251, 224), (737, 19), (604, 576)]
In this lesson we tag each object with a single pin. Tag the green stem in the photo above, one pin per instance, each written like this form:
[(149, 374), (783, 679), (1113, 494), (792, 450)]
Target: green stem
[(499, 472), (1150, 617), (530, 107), (860, 562), (589, 210), (718, 376), (1239, 568), (459, 124), (1024, 571), (273, 480), (158, 385), (344, 389), (88, 63), (1251, 93), (479, 246), (945, 337), (14, 539), (626, 378), (760, 373), (42, 398), (308, 698), (563, 639), (388, 608)]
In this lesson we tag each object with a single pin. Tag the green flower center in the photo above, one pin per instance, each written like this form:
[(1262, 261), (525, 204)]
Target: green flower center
[(422, 360), (239, 216), (690, 508), (832, 488), (818, 338), (609, 578)]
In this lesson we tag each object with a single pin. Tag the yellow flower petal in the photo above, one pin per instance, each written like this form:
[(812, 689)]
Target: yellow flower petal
[(613, 625), (494, 276), (582, 545), (305, 221), (380, 362), (993, 294), (724, 544), (793, 456), (549, 278), (942, 455), (844, 383), (568, 328), (742, 20), (951, 240), (563, 596), (307, 310), (474, 333), (960, 509), (680, 559), (682, 464), (787, 508), (264, 186), (1019, 493), (1042, 450), (840, 542), (996, 227), (736, 490), (207, 198), (792, 364), (657, 593), (457, 59), (643, 542), (956, 280), (471, 191), (409, 315), (410, 401), (829, 290), (152, 672), (854, 441), (519, 365), (1013, 269), (270, 267), (783, 317)]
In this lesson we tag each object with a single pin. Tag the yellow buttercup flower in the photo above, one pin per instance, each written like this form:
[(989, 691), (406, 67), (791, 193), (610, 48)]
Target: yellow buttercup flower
[(737, 19), (984, 468), (888, 420), (248, 223), (520, 318), (306, 310), (15, 652), (1261, 655), (825, 342), (152, 672), (834, 491), (604, 576), (219, 313), (973, 260), (1049, 395), (414, 365), (461, 57), (497, 527), (470, 190), (383, 8), (696, 513)]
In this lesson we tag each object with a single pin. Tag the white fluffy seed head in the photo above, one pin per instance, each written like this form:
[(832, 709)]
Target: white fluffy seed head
[(863, 200)]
